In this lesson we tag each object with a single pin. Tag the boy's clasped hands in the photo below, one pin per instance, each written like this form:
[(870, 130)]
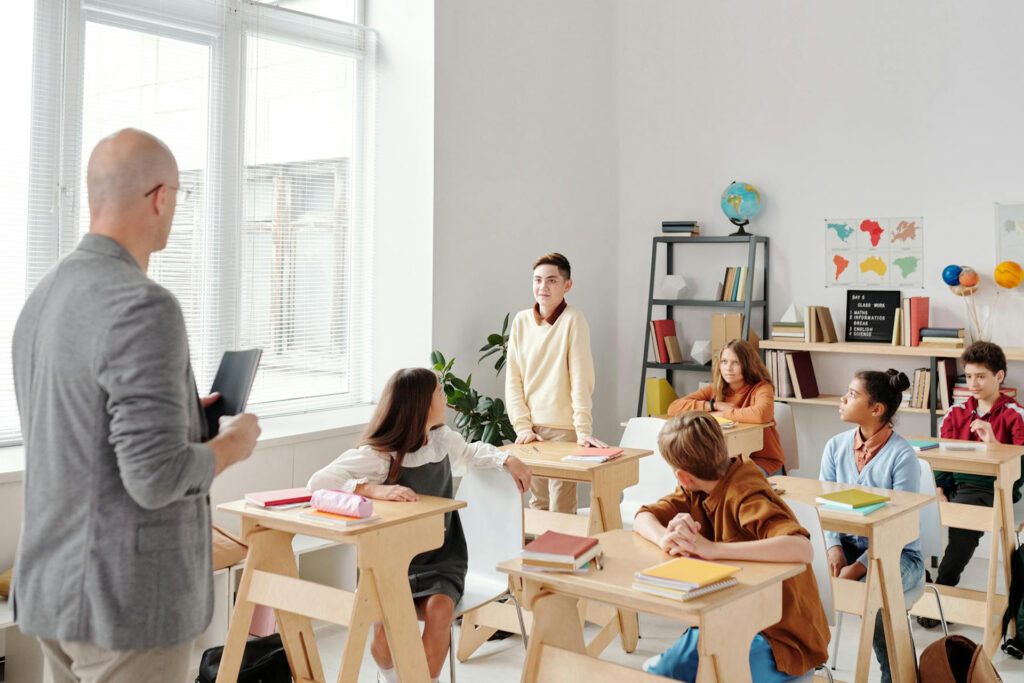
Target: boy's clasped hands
[(682, 537)]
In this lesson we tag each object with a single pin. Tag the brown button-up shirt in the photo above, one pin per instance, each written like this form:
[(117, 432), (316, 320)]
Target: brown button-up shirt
[(743, 507), (865, 449), (551, 318)]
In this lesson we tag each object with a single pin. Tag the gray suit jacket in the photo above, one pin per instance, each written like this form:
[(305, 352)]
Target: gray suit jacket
[(115, 547)]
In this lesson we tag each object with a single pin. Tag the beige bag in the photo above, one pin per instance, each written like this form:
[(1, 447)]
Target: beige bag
[(956, 659), (228, 549), (5, 583)]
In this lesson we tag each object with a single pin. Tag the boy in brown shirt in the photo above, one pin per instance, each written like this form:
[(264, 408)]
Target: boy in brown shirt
[(725, 509)]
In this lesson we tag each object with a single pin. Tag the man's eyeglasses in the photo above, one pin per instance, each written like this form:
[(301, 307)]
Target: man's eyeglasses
[(185, 193)]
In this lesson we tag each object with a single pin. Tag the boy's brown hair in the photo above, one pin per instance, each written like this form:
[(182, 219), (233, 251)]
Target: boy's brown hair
[(986, 353), (693, 442), (557, 260)]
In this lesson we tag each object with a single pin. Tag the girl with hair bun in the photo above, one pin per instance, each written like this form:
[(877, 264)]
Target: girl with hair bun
[(872, 454)]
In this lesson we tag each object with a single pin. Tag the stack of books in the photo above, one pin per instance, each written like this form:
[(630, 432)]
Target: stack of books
[(593, 454), (734, 286), (779, 371), (681, 228), (920, 388), (555, 552), (664, 342), (942, 337), (684, 578), (280, 499), (788, 331), (818, 325), (853, 501), (911, 318)]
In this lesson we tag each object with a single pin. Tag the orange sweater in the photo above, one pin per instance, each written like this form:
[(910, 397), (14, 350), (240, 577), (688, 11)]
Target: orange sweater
[(754, 404)]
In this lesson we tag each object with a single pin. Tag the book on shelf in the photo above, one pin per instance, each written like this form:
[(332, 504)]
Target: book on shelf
[(730, 278), (897, 328), (683, 578), (801, 373), (662, 329), (942, 342), (687, 228), (556, 551), (947, 377), (779, 371), (787, 331), (741, 284), (951, 332), (919, 311), (851, 499), (905, 321), (863, 510), (736, 283), (826, 326), (810, 325), (921, 388), (675, 354)]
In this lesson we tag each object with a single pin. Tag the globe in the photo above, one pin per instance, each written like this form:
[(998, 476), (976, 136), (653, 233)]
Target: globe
[(741, 202)]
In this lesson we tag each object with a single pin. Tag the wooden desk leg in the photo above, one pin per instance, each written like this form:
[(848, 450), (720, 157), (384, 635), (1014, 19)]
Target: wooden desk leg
[(872, 603), (887, 545), (605, 492), (1002, 540), (727, 632), (270, 551), (365, 612), (555, 622)]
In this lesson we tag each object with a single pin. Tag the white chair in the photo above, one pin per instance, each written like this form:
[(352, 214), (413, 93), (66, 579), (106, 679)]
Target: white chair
[(785, 425), (493, 524), (655, 480), (807, 516)]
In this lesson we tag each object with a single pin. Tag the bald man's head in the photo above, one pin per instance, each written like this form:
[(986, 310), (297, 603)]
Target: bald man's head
[(124, 166)]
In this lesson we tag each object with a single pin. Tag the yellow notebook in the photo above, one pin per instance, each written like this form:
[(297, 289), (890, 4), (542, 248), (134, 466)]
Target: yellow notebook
[(852, 499), (724, 422), (685, 573)]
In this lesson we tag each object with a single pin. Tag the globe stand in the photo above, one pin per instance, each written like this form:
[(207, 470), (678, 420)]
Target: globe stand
[(740, 224)]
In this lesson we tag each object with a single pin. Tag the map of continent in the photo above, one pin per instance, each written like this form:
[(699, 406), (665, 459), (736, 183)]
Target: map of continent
[(873, 263), (843, 231), (875, 230), (907, 264), (905, 232), (840, 263)]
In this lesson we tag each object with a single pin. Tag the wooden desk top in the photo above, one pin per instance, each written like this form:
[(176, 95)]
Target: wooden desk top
[(390, 512), (985, 461), (806, 490), (550, 454), (626, 553)]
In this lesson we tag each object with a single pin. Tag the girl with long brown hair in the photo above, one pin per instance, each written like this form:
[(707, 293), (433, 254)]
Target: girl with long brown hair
[(407, 450), (740, 390)]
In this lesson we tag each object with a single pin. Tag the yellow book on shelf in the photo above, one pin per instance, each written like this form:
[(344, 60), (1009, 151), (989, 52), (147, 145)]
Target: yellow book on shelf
[(852, 498), (685, 572), (659, 395)]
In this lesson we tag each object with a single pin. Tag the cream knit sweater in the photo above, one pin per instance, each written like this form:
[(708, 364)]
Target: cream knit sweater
[(550, 374)]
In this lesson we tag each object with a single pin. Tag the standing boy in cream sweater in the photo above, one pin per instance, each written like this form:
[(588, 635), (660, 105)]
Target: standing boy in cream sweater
[(550, 376)]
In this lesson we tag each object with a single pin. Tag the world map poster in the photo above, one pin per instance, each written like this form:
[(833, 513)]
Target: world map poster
[(874, 252)]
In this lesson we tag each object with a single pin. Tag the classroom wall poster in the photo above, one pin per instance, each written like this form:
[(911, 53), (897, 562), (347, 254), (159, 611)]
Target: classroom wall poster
[(874, 252), (1010, 232)]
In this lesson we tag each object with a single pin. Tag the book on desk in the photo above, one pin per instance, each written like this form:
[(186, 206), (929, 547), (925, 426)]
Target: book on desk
[(684, 578)]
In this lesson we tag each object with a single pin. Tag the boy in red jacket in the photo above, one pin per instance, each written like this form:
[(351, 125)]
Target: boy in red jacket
[(987, 416)]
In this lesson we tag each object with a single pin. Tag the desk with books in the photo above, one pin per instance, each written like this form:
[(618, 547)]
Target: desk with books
[(384, 548), (887, 529), (982, 609), (728, 618), (742, 439)]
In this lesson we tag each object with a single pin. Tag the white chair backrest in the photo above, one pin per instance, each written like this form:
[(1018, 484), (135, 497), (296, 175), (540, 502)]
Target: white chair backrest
[(807, 516), (656, 478), (492, 519), (931, 529), (785, 425)]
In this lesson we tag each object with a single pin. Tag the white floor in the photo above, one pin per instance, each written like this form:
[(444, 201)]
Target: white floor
[(502, 661)]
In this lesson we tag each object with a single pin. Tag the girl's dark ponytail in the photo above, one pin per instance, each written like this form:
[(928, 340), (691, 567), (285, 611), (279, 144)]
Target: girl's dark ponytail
[(886, 388)]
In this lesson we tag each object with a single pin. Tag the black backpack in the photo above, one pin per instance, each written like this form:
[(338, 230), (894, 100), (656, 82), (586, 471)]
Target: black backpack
[(1015, 606), (264, 661)]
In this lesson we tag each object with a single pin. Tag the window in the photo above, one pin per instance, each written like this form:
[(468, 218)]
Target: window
[(268, 109)]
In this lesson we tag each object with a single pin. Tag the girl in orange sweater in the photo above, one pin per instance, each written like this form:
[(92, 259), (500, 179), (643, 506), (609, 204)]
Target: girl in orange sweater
[(740, 390)]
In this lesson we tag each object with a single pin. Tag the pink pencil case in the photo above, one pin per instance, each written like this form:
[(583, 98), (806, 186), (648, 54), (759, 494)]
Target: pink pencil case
[(342, 503)]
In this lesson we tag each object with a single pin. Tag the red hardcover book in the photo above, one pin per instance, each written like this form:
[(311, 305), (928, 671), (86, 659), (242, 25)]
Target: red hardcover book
[(919, 306), (279, 497), (662, 329), (554, 546)]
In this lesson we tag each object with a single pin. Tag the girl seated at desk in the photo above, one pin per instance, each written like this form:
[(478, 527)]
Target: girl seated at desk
[(407, 450), (740, 390), (872, 454)]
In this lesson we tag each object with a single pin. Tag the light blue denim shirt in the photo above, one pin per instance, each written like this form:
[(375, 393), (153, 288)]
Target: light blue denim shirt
[(894, 466)]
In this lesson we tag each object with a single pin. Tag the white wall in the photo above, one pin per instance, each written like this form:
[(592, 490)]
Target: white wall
[(403, 247), (526, 158), (830, 109)]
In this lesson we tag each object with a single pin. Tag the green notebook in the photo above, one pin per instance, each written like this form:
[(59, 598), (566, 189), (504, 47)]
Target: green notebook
[(851, 499), (922, 445), (866, 510)]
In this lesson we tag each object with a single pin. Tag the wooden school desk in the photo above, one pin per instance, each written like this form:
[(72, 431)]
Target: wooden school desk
[(742, 439), (728, 619), (887, 531), (384, 548), (983, 609)]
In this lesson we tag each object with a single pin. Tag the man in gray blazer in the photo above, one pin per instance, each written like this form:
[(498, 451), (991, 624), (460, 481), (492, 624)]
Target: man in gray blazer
[(114, 564)]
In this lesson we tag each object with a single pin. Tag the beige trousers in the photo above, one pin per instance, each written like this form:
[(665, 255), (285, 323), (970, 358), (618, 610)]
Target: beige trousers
[(556, 495), (73, 662)]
